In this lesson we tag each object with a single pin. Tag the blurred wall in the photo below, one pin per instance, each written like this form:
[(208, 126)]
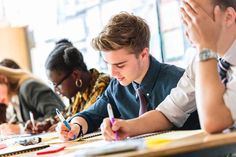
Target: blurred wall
[(14, 45)]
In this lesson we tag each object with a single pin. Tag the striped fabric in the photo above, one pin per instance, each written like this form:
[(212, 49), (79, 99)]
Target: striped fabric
[(223, 67)]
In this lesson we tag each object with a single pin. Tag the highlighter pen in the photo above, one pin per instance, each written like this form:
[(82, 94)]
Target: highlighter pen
[(111, 117), (62, 119)]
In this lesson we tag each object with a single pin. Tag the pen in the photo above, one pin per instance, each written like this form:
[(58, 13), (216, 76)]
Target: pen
[(111, 117), (62, 119), (32, 118)]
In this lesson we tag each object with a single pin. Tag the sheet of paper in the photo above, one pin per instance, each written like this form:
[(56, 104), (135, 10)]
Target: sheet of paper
[(102, 147), (19, 149)]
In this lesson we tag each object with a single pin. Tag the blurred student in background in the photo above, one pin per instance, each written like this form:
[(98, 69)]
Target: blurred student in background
[(8, 112), (211, 27), (30, 94), (10, 63), (71, 78)]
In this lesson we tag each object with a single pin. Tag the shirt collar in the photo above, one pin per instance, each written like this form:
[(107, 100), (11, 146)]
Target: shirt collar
[(230, 54), (135, 85), (150, 78)]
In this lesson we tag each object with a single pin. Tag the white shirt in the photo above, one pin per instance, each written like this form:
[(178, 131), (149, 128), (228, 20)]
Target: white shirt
[(14, 113), (13, 110), (230, 93), (181, 102)]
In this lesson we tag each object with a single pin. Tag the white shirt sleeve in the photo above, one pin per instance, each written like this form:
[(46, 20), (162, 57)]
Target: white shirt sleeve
[(230, 93), (181, 101)]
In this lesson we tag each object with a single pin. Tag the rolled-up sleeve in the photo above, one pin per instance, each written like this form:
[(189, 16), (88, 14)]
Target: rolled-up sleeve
[(180, 103)]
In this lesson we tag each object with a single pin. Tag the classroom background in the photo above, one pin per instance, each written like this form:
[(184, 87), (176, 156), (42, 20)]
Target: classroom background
[(29, 29)]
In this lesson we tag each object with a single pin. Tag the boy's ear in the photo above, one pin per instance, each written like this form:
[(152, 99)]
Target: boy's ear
[(230, 17), (144, 53)]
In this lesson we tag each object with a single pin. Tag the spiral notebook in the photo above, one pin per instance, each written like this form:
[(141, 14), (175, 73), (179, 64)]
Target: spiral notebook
[(15, 143), (48, 138), (90, 135), (83, 138), (19, 149)]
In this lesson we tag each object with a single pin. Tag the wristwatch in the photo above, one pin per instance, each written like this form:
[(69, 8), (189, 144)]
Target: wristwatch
[(207, 54)]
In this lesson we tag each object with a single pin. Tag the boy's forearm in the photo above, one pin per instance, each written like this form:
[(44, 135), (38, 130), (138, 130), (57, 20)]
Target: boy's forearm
[(151, 121), (214, 114)]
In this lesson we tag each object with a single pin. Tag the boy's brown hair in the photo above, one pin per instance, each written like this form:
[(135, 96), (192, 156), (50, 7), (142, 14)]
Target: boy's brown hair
[(225, 3), (123, 30)]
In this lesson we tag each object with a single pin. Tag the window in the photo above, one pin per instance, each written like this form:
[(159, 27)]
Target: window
[(81, 20)]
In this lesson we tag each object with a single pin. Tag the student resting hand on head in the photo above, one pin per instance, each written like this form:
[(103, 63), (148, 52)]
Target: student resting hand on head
[(32, 96)]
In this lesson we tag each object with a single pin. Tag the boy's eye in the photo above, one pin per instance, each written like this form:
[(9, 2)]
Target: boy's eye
[(120, 66)]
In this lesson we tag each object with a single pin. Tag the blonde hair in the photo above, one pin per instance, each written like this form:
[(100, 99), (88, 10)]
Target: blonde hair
[(15, 78), (123, 30)]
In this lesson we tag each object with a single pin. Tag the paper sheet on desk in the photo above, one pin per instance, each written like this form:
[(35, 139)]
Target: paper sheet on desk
[(14, 143), (28, 139), (19, 149), (44, 136), (3, 138), (105, 147), (48, 136)]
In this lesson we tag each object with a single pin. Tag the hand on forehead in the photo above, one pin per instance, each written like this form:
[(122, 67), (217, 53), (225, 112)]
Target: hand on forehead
[(4, 93), (3, 79)]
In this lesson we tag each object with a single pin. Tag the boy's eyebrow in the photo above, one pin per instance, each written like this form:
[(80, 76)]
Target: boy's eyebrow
[(116, 63)]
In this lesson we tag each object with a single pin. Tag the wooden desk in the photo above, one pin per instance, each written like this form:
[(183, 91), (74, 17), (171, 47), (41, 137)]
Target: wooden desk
[(200, 144)]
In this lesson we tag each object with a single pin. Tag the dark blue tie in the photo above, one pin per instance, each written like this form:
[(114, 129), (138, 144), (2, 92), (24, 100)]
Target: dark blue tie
[(142, 100), (223, 67)]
